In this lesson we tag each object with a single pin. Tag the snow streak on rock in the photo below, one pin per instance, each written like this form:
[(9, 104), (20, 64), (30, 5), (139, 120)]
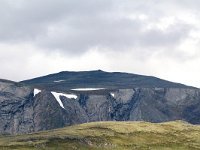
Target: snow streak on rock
[(57, 97)]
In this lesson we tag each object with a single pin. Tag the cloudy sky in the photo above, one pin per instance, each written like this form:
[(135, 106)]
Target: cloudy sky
[(151, 37)]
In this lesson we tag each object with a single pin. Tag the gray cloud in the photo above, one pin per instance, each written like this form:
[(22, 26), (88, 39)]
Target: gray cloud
[(27, 20), (76, 26)]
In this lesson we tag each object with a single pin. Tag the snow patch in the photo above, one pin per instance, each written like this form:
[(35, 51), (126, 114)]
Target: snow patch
[(112, 94), (87, 89), (57, 97), (59, 81), (36, 91)]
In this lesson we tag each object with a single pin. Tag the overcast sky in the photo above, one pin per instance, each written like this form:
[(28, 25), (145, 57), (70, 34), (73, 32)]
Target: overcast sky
[(151, 37)]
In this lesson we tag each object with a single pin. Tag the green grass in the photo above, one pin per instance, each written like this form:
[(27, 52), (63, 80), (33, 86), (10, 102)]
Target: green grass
[(110, 136)]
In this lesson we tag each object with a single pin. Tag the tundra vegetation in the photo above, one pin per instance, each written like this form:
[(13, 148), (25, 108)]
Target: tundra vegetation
[(176, 135)]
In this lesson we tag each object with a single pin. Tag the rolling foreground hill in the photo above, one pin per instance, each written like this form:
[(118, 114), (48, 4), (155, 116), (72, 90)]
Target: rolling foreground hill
[(111, 136)]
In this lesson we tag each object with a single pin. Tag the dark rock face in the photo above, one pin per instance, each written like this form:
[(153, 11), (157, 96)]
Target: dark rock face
[(47, 113), (16, 109), (22, 112)]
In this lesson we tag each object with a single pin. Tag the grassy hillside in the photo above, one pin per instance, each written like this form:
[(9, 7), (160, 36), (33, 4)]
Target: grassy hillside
[(110, 135)]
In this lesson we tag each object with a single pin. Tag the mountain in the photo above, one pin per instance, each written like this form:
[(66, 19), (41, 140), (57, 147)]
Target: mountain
[(68, 98), (110, 135)]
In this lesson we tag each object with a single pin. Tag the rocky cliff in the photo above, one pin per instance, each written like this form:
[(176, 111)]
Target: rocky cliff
[(24, 111)]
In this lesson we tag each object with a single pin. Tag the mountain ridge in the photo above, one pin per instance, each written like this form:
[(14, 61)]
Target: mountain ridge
[(99, 79)]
